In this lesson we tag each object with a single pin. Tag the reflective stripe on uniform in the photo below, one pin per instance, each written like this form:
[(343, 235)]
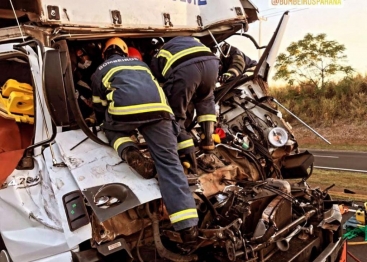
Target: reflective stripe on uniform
[(207, 118), (109, 96), (164, 53), (107, 84), (183, 215), (97, 100), (185, 144), (181, 54), (121, 141), (137, 109)]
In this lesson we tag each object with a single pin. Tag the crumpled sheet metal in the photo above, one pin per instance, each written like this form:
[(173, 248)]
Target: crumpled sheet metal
[(212, 183), (121, 224), (332, 219), (127, 223), (246, 169)]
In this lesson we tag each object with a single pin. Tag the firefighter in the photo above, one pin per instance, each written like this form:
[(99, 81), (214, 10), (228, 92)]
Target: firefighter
[(233, 63), (189, 71), (126, 97), (133, 52)]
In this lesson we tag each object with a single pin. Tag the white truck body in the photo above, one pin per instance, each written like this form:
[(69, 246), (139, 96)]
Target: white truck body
[(137, 14), (34, 220)]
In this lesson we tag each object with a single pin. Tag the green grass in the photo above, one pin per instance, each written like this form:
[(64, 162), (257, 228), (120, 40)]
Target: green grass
[(345, 100), (346, 147), (356, 182)]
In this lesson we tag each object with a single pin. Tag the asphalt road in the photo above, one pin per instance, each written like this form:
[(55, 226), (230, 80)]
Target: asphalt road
[(340, 160)]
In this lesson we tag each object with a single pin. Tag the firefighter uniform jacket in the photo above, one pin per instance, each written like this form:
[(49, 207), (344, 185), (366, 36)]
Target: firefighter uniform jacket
[(127, 89), (236, 62), (189, 72), (177, 53)]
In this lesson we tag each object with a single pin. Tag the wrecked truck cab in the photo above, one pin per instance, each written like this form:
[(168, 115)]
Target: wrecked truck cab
[(70, 198)]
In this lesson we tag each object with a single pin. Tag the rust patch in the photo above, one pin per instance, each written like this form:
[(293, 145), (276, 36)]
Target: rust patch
[(211, 183), (120, 224)]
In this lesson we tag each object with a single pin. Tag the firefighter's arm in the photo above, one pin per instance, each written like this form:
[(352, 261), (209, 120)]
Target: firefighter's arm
[(235, 68), (238, 65), (99, 99), (156, 68)]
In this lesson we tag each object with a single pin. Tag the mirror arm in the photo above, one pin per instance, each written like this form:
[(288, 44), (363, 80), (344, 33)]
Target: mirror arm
[(252, 40)]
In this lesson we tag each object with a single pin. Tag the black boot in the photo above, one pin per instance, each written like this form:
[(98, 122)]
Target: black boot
[(141, 164), (189, 235), (207, 143)]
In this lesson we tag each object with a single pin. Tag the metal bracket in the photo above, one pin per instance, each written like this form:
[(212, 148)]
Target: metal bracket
[(167, 20), (238, 11), (199, 20), (116, 17), (53, 12)]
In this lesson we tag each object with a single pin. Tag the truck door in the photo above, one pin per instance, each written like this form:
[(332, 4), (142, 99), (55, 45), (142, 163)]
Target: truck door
[(27, 200), (17, 107)]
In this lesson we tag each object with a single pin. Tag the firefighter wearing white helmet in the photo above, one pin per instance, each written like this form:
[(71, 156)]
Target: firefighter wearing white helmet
[(126, 97)]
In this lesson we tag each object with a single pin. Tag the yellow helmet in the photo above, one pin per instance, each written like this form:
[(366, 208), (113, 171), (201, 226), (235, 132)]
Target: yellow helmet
[(117, 42)]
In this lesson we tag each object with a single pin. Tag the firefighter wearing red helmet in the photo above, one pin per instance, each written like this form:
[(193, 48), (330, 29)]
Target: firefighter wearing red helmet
[(127, 97), (133, 52)]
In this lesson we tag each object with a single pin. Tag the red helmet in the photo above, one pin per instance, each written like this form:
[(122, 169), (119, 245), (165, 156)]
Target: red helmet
[(133, 52)]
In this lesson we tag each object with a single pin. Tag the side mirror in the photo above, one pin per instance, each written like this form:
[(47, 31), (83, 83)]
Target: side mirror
[(53, 83)]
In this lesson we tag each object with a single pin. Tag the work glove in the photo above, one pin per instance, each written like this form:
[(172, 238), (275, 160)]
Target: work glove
[(226, 77), (91, 120)]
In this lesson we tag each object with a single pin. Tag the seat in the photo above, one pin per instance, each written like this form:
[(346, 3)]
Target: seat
[(14, 138)]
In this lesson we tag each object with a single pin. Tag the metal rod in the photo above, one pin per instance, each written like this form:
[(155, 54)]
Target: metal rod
[(16, 18), (217, 44), (353, 256), (280, 233), (85, 139), (310, 128)]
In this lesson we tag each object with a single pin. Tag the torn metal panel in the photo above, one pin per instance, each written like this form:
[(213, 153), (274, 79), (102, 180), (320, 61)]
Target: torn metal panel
[(122, 224), (332, 219), (62, 183), (28, 199), (93, 165)]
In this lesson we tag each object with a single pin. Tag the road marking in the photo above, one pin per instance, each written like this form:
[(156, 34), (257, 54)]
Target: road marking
[(341, 169), (326, 156)]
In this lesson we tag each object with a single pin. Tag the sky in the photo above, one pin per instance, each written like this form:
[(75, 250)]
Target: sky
[(345, 24)]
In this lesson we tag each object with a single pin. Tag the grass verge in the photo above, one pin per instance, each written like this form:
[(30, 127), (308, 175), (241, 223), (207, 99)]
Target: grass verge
[(356, 182), (344, 147)]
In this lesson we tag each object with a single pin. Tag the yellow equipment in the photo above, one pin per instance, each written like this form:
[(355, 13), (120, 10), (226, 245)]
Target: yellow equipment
[(361, 214), (16, 101)]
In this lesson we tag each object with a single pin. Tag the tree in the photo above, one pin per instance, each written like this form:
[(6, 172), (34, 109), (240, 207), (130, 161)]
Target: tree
[(314, 60)]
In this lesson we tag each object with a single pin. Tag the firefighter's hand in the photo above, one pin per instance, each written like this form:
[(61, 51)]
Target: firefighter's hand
[(226, 77), (91, 120)]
